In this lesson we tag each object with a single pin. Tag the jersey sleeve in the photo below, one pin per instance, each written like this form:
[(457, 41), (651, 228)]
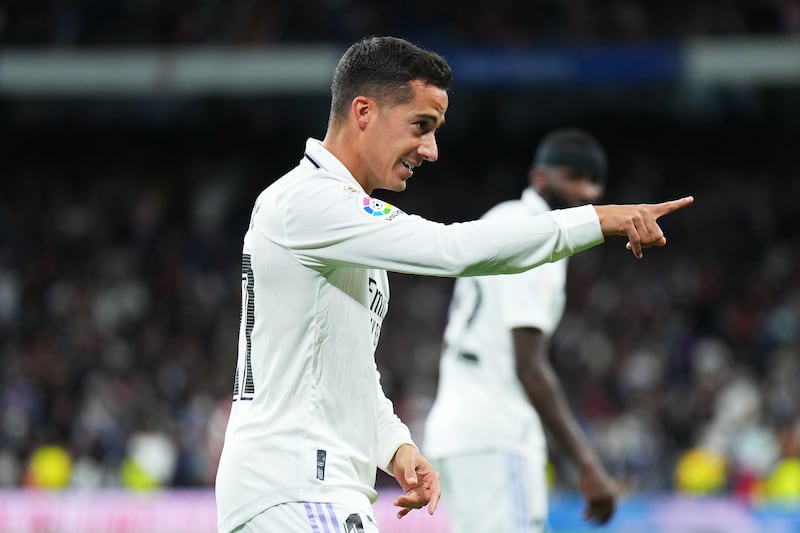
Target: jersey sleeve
[(392, 432), (533, 299), (327, 222)]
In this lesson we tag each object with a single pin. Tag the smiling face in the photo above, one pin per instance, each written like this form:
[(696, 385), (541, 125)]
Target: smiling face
[(397, 137)]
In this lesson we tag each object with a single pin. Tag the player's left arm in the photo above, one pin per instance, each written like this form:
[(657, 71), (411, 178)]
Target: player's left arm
[(544, 390), (400, 457)]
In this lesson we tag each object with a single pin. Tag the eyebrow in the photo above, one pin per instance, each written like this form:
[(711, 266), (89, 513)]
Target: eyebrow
[(431, 118)]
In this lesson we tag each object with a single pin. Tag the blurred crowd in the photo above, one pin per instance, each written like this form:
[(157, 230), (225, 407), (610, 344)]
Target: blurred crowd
[(121, 227), (119, 295), (68, 23)]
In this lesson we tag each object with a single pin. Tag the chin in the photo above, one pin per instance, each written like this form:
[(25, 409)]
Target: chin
[(398, 186)]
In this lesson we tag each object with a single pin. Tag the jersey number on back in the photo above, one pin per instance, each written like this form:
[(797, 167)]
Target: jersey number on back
[(243, 386), (467, 300)]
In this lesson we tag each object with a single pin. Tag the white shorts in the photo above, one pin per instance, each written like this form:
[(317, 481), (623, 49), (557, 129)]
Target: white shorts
[(494, 491), (310, 517)]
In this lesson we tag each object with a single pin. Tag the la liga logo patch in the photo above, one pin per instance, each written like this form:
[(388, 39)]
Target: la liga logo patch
[(376, 208)]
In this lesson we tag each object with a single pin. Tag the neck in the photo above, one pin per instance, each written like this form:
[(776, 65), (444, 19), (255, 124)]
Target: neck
[(344, 147)]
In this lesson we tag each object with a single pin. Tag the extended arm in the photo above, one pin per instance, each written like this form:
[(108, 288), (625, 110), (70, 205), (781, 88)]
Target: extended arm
[(544, 390), (410, 244)]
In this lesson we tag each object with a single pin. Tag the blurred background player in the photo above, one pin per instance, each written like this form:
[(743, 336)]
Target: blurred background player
[(497, 387)]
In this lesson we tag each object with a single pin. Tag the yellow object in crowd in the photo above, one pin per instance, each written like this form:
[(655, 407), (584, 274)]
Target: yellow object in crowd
[(50, 467), (700, 472)]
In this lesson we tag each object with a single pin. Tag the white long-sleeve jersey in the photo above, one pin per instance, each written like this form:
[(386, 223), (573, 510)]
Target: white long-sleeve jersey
[(480, 403), (309, 420)]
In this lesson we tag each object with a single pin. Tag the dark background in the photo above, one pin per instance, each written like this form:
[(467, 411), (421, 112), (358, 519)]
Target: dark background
[(121, 221)]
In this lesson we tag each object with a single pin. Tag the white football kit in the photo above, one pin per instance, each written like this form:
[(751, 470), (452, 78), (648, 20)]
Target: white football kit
[(481, 407), (309, 420)]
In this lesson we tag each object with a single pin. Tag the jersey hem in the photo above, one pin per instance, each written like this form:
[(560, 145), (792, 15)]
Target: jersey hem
[(245, 513)]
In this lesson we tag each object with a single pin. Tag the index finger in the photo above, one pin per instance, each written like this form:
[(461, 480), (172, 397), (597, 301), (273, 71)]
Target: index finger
[(665, 208), (434, 502)]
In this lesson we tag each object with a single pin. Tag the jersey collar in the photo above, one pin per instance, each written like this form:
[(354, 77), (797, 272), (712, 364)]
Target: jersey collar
[(321, 158), (533, 201)]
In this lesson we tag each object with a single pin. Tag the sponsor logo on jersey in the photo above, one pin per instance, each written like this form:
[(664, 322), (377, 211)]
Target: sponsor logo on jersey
[(379, 305)]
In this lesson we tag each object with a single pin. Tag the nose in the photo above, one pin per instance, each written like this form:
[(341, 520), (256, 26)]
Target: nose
[(428, 148)]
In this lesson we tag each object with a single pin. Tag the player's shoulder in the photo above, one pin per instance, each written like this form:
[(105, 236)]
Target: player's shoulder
[(304, 186), (506, 208)]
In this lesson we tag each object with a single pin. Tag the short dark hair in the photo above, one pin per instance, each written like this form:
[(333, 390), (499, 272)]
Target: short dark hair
[(574, 148), (382, 68)]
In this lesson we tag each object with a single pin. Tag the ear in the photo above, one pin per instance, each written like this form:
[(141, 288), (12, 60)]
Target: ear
[(363, 108)]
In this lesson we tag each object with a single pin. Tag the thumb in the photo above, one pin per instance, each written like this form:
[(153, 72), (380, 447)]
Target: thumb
[(410, 474)]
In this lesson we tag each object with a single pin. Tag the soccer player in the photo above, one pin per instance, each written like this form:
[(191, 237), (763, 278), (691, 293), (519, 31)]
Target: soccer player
[(496, 385), (310, 424)]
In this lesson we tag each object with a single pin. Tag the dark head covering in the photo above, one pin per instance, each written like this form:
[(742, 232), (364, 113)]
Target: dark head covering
[(573, 148)]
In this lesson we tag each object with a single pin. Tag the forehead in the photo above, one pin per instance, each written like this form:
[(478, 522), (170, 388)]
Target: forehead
[(428, 101)]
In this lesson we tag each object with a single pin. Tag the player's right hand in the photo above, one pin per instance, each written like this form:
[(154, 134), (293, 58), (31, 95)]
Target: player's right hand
[(638, 222)]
